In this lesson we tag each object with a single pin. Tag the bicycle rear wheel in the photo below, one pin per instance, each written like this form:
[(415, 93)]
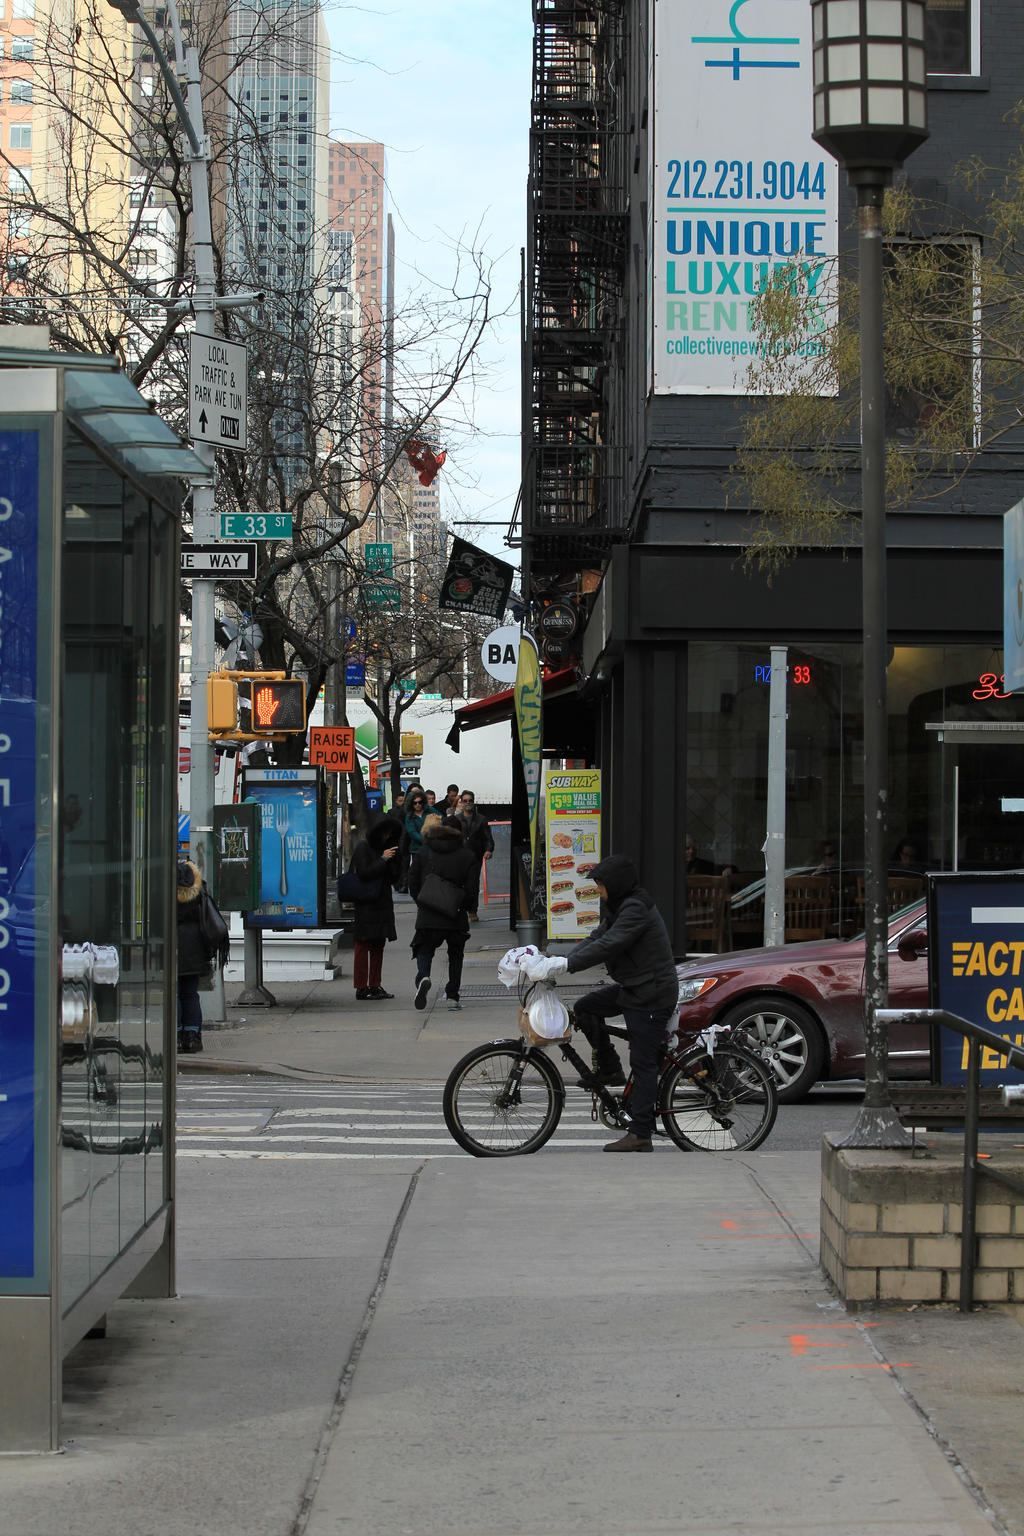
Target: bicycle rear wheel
[(502, 1100), (721, 1103)]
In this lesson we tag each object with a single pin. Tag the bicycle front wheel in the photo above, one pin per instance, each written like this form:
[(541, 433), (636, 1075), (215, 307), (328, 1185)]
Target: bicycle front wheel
[(721, 1103), (502, 1100)]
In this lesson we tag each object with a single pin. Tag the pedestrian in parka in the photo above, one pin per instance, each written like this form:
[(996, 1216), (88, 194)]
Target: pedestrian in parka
[(443, 854), (375, 860)]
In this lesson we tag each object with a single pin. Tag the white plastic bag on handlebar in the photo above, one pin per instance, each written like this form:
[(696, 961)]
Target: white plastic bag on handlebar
[(513, 962), (549, 1018), (708, 1037)]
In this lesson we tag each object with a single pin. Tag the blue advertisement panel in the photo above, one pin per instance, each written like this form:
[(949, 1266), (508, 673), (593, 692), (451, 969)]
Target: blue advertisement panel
[(292, 884), (20, 896), (976, 945)]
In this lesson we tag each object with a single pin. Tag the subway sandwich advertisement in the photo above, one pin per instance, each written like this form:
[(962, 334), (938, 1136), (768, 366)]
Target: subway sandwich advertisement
[(572, 803)]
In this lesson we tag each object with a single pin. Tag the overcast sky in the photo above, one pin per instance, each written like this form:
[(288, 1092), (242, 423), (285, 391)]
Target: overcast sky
[(445, 86)]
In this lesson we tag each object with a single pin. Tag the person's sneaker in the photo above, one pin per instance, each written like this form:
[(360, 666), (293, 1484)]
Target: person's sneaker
[(615, 1079), (378, 995), (362, 993), (192, 1042), (454, 1006), (631, 1142), (422, 988)]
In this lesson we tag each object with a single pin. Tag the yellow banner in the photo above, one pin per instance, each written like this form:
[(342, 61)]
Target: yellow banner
[(527, 696)]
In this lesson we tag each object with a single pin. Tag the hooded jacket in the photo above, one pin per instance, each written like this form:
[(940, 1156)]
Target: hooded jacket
[(374, 921), (194, 958), (444, 853), (631, 940)]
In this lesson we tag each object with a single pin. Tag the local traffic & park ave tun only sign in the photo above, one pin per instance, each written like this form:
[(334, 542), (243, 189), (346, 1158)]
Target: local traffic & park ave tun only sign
[(217, 391)]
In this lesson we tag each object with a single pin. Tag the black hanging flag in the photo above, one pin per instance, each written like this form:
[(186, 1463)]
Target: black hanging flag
[(475, 582)]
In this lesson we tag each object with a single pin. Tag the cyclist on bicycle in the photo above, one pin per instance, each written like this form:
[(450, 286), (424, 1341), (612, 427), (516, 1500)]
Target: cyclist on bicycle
[(632, 941)]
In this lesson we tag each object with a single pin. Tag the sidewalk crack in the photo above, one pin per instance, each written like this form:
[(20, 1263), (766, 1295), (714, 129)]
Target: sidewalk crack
[(341, 1396)]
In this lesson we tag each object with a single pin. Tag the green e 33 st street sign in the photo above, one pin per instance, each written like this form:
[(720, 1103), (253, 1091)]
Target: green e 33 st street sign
[(256, 525)]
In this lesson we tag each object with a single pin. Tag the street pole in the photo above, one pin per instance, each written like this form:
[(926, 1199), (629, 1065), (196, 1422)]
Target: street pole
[(775, 832), (877, 1123), (203, 490), (871, 112)]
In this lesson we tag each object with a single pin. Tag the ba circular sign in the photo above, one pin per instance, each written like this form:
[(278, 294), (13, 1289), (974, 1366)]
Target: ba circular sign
[(500, 654)]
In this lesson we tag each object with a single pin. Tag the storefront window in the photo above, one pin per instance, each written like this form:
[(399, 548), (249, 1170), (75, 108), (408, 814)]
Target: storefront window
[(954, 785)]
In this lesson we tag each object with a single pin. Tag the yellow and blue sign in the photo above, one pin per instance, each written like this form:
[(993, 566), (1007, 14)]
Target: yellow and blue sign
[(976, 944)]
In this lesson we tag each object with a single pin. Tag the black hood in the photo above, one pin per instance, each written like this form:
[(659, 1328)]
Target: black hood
[(384, 833), (618, 876)]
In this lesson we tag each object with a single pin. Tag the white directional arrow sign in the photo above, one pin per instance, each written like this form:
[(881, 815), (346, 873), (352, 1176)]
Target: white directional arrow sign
[(217, 391)]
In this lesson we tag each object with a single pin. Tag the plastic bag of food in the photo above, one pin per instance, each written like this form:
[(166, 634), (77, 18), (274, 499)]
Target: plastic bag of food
[(546, 1015), (513, 962)]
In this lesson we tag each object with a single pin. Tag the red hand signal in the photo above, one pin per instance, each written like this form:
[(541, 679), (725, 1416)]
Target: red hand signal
[(267, 705)]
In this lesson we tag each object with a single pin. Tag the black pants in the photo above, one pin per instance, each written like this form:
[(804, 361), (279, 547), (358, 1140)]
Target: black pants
[(646, 1031), (426, 942)]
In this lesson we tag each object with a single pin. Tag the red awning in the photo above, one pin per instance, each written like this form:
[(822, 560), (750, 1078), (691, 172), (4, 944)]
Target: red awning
[(500, 706)]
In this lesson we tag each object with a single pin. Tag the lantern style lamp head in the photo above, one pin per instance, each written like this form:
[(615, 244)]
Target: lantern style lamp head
[(870, 88)]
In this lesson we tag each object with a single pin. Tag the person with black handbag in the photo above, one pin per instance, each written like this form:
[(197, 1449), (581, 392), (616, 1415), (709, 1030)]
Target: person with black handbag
[(441, 881), (369, 884), (202, 940)]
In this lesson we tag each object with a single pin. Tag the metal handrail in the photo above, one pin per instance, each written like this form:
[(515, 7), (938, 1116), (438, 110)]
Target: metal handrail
[(976, 1037)]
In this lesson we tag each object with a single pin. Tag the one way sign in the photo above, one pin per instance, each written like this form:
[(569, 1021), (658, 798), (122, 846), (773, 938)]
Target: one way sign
[(224, 560)]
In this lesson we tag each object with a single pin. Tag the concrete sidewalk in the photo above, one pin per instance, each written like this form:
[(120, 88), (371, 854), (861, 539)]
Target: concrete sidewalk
[(319, 1030), (527, 1347)]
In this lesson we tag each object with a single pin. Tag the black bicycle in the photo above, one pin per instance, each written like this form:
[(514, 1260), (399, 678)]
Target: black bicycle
[(506, 1098)]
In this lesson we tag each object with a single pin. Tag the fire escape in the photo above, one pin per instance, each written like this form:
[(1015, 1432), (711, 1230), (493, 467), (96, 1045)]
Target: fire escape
[(573, 501)]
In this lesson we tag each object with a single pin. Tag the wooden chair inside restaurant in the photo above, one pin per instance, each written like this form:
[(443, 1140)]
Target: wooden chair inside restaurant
[(807, 904), (902, 890), (707, 912)]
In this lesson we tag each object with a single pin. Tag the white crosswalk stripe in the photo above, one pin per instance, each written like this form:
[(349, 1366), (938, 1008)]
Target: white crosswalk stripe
[(250, 1117)]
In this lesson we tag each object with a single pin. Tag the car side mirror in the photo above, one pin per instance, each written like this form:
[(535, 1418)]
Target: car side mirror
[(913, 944)]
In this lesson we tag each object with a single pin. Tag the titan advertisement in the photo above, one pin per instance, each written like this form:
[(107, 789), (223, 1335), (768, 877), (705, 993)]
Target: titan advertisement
[(24, 898), (741, 196), (291, 844), (976, 950), (572, 802)]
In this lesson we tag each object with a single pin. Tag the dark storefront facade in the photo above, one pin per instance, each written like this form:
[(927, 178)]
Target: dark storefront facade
[(631, 492)]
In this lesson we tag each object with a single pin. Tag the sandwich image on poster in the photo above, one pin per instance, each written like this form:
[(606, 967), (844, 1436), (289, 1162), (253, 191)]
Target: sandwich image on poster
[(572, 805)]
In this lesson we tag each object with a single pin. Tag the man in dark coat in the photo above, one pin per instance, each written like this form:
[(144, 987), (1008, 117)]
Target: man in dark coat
[(476, 830), (375, 860), (443, 854), (632, 941)]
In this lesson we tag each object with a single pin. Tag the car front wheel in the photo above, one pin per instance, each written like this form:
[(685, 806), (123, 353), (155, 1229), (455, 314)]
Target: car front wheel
[(788, 1038)]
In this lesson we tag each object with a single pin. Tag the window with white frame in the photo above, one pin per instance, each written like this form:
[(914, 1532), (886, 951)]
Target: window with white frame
[(23, 10), (22, 49), (19, 222), (19, 180), (952, 43), (933, 329), (21, 135), (21, 91)]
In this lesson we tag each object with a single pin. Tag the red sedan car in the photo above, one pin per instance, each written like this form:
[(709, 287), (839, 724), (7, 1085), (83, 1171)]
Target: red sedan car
[(803, 1004)]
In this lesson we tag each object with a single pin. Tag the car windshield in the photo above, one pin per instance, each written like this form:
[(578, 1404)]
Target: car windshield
[(900, 919)]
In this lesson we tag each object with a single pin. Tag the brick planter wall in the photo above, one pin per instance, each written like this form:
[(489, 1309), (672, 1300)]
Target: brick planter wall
[(891, 1223)]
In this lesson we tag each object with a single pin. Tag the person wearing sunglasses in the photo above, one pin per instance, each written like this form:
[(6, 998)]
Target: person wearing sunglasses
[(416, 812)]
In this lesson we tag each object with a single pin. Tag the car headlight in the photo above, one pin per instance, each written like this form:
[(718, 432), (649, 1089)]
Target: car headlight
[(695, 986)]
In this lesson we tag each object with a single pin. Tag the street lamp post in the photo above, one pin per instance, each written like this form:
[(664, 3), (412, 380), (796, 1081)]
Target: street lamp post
[(205, 304), (870, 113)]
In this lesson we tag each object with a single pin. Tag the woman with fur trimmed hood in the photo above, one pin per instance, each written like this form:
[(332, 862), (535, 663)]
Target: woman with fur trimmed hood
[(194, 958), (444, 854)]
